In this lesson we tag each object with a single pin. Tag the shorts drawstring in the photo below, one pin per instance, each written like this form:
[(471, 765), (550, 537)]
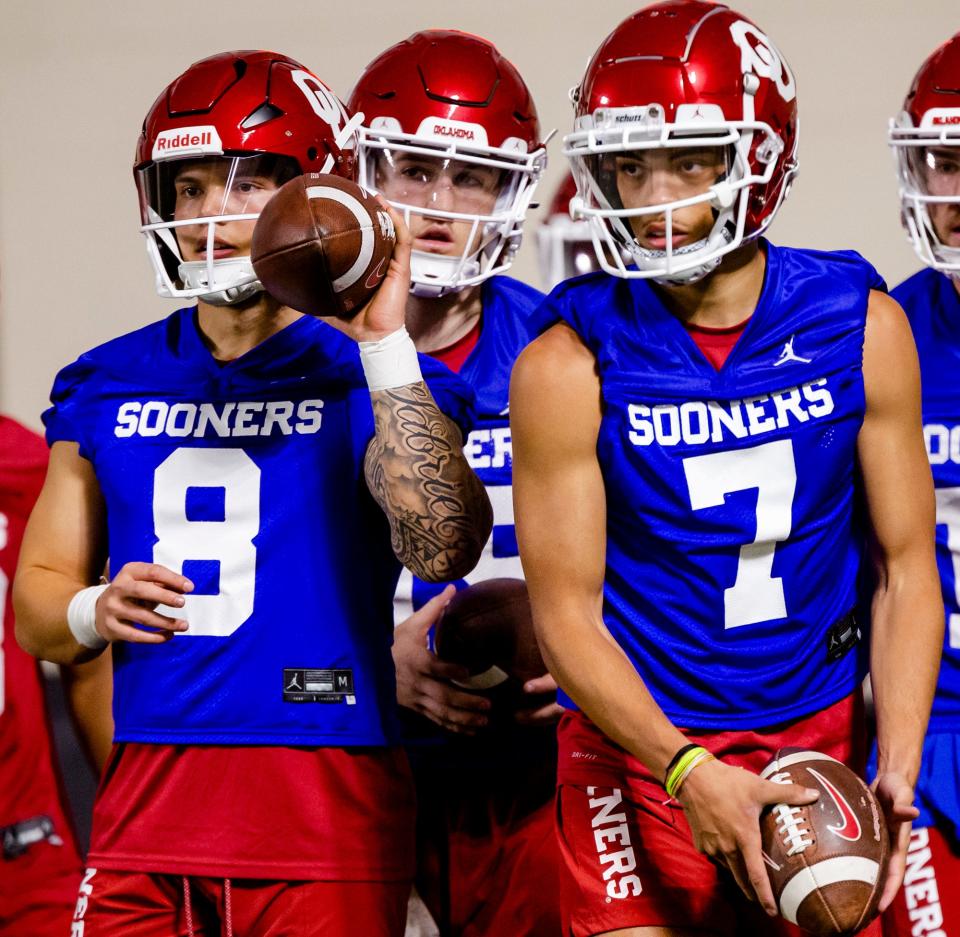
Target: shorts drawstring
[(227, 912), (186, 905)]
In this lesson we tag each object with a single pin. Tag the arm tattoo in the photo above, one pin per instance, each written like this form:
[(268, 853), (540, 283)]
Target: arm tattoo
[(438, 511)]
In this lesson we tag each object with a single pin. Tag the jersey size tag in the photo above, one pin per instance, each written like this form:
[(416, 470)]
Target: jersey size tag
[(842, 636), (318, 686)]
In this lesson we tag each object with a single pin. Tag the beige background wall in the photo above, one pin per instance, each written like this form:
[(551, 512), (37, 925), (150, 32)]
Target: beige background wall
[(77, 78)]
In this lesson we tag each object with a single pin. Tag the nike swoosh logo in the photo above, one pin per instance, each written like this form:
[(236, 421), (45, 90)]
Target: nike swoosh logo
[(849, 829), (376, 276)]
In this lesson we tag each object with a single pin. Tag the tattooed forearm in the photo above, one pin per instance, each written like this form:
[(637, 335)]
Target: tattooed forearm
[(439, 514)]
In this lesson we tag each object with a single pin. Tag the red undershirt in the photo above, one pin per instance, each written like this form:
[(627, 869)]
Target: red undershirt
[(453, 356), (716, 344)]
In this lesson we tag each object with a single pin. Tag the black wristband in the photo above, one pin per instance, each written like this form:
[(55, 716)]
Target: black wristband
[(677, 757)]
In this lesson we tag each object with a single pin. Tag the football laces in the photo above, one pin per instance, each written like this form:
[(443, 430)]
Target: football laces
[(791, 823)]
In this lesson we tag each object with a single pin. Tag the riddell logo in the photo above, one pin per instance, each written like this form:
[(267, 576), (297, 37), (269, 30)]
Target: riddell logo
[(181, 141), (952, 119), (610, 829), (458, 133), (187, 141)]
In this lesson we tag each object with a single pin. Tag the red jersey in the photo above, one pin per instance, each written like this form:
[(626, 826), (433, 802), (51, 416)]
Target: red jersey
[(29, 784)]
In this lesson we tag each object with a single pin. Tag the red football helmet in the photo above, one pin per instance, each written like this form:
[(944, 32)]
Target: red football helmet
[(684, 74), (565, 245), (243, 116), (443, 105), (926, 145)]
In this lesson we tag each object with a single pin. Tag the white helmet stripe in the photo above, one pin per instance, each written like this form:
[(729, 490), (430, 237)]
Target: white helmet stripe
[(366, 233), (820, 874)]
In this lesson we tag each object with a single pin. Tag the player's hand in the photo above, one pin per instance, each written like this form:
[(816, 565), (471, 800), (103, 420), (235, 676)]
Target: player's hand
[(423, 680), (546, 714), (896, 798), (723, 806), (130, 600), (387, 310)]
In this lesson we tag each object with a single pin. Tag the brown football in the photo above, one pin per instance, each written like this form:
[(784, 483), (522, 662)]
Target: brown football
[(488, 628), (322, 245), (827, 861)]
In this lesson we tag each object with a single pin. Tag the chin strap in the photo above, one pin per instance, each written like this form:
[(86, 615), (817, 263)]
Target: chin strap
[(645, 257), (193, 275), (433, 275)]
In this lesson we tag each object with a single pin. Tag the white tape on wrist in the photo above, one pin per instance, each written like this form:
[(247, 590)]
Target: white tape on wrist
[(82, 617), (390, 362)]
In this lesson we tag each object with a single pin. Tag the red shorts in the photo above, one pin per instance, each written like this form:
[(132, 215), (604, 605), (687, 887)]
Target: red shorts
[(629, 858), (928, 904), (38, 891), (138, 904), (487, 854)]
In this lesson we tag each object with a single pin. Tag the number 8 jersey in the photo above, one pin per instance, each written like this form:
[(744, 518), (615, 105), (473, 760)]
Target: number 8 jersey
[(733, 543), (247, 477)]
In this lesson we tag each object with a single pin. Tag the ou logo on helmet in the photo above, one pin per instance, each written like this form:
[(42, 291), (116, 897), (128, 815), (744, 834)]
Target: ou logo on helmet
[(760, 56), (325, 104)]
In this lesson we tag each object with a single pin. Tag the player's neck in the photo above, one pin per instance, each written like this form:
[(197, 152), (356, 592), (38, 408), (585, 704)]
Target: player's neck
[(232, 331), (724, 298), (438, 323), (956, 283)]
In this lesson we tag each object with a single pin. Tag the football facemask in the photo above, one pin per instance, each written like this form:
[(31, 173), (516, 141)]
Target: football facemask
[(700, 160), (475, 200)]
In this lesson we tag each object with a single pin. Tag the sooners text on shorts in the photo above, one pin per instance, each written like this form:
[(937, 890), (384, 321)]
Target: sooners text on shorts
[(628, 855)]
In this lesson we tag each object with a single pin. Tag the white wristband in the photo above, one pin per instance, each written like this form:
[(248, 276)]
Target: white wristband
[(391, 362), (82, 617)]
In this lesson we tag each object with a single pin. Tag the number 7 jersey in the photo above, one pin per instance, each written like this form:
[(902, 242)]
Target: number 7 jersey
[(733, 539), (247, 477)]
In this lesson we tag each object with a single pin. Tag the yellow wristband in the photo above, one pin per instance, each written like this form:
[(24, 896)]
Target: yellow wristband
[(683, 767)]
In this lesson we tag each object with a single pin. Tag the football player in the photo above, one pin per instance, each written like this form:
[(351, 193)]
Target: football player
[(41, 864), (451, 139), (691, 440), (254, 478), (926, 142)]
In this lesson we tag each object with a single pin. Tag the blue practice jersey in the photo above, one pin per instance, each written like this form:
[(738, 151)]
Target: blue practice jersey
[(247, 477), (511, 320), (733, 541), (933, 307)]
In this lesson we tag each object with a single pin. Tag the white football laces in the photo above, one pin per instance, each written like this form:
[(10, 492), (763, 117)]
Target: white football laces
[(791, 824)]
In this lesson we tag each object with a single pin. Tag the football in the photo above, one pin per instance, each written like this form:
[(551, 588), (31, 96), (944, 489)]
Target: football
[(488, 628), (322, 245), (827, 861)]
